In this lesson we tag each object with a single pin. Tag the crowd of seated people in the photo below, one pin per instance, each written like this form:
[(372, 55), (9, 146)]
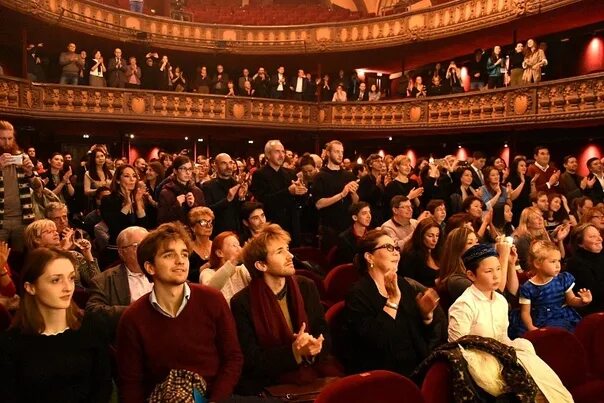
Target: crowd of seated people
[(187, 269), (486, 71)]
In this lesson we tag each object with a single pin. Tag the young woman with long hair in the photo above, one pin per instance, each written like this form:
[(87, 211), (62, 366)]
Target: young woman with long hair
[(420, 257), (98, 173)]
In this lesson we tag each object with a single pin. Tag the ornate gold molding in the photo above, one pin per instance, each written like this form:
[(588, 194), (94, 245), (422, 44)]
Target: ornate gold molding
[(454, 18), (578, 99)]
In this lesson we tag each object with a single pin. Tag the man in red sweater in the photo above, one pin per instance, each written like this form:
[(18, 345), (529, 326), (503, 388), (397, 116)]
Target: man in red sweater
[(176, 326), (546, 176)]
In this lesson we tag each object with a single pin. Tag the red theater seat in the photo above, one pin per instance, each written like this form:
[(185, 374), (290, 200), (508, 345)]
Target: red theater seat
[(5, 318), (310, 254), (436, 387), (338, 281), (318, 280), (562, 351), (375, 386), (590, 332)]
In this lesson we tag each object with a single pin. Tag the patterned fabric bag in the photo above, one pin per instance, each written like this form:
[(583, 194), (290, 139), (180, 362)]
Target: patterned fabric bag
[(179, 387)]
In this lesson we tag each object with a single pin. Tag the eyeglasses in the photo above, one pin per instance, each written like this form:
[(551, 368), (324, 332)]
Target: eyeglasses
[(132, 245), (204, 223), (185, 169), (388, 247)]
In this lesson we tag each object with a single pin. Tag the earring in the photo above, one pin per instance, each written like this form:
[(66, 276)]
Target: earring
[(371, 265)]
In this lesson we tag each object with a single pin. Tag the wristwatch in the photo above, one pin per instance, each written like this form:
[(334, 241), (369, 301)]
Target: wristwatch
[(392, 305)]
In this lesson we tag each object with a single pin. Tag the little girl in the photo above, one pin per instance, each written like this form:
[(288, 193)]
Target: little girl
[(547, 299)]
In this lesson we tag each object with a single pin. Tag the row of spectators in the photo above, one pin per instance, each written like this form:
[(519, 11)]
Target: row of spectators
[(442, 236), (522, 66)]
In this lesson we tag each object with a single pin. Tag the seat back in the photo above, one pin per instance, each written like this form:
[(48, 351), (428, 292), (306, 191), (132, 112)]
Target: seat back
[(339, 281), (318, 280), (562, 351), (311, 254), (373, 386), (436, 387), (336, 321), (5, 318), (590, 332)]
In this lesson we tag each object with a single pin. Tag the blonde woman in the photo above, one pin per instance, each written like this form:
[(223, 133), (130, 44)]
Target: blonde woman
[(402, 184), (534, 59), (201, 224)]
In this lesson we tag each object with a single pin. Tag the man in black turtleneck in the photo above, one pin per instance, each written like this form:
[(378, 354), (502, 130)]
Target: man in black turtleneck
[(224, 196), (277, 188)]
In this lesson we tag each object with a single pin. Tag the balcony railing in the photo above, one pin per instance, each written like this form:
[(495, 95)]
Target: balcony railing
[(562, 102), (433, 23)]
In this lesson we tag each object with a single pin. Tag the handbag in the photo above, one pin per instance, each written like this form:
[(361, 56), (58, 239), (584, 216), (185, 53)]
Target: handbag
[(180, 386)]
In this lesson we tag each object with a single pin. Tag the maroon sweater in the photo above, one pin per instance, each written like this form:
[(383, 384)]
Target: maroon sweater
[(541, 181), (202, 339)]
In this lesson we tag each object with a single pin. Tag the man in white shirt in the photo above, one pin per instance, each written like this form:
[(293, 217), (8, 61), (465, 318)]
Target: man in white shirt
[(595, 183), (298, 86), (115, 288), (479, 159), (278, 84)]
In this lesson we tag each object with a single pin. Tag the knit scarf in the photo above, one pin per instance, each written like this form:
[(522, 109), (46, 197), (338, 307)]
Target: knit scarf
[(25, 199), (269, 321)]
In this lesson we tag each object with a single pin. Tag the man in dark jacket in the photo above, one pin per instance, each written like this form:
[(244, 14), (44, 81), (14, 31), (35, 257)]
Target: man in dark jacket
[(179, 194), (117, 70)]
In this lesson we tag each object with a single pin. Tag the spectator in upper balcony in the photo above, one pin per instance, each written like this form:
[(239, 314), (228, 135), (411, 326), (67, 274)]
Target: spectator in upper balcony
[(436, 88), (133, 74), (477, 70), (35, 63), (354, 85), (340, 94), (534, 60), (326, 89), (299, 86), (453, 77), (341, 80), (495, 65), (374, 94), (117, 70), (261, 84), (245, 77), (419, 89), (150, 72), (85, 70), (71, 64), (438, 71), (247, 89), (96, 76), (515, 66), (165, 74), (179, 82), (362, 94), (202, 82), (310, 95), (279, 84), (136, 6), (219, 81)]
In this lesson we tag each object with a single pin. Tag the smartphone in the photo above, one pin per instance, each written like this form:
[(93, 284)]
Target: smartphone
[(15, 160)]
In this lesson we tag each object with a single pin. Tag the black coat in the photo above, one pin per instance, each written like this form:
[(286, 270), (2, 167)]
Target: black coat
[(588, 269), (215, 192)]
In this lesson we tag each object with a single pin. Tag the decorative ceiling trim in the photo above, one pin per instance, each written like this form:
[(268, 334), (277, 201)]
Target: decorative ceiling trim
[(436, 22)]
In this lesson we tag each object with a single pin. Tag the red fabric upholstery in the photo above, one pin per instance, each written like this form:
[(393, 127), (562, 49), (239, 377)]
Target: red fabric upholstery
[(562, 351), (335, 321), (590, 332), (375, 386), (318, 280), (338, 282), (436, 387), (331, 257), (310, 254)]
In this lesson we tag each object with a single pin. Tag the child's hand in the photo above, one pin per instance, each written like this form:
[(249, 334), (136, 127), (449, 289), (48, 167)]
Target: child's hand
[(585, 295)]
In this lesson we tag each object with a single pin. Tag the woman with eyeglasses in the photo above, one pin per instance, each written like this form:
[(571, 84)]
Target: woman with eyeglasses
[(226, 271), (51, 353), (392, 323), (179, 193), (201, 224)]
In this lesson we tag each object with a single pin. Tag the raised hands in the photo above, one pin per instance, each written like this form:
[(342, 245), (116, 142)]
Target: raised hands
[(427, 302), (305, 345)]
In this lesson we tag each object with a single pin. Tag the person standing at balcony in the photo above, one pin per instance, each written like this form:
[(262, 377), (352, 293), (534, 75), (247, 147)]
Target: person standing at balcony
[(374, 94), (299, 86), (279, 84), (276, 187), (97, 71), (83, 78), (245, 77), (133, 74), (150, 72), (453, 78), (219, 81), (117, 70), (478, 72), (354, 86), (495, 64), (419, 89), (515, 66), (326, 91), (339, 95), (71, 64), (247, 89), (534, 60), (136, 6), (362, 94), (261, 84), (436, 88), (35, 63), (165, 74), (334, 191), (202, 82)]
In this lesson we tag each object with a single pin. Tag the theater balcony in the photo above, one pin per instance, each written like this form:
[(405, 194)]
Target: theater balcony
[(568, 102), (440, 21)]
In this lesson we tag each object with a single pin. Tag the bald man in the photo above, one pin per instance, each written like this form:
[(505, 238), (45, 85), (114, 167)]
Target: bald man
[(115, 288), (224, 194), (116, 72)]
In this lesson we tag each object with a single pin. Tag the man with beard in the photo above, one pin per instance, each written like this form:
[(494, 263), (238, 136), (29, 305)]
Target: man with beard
[(334, 190), (276, 188), (224, 195), (16, 210)]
